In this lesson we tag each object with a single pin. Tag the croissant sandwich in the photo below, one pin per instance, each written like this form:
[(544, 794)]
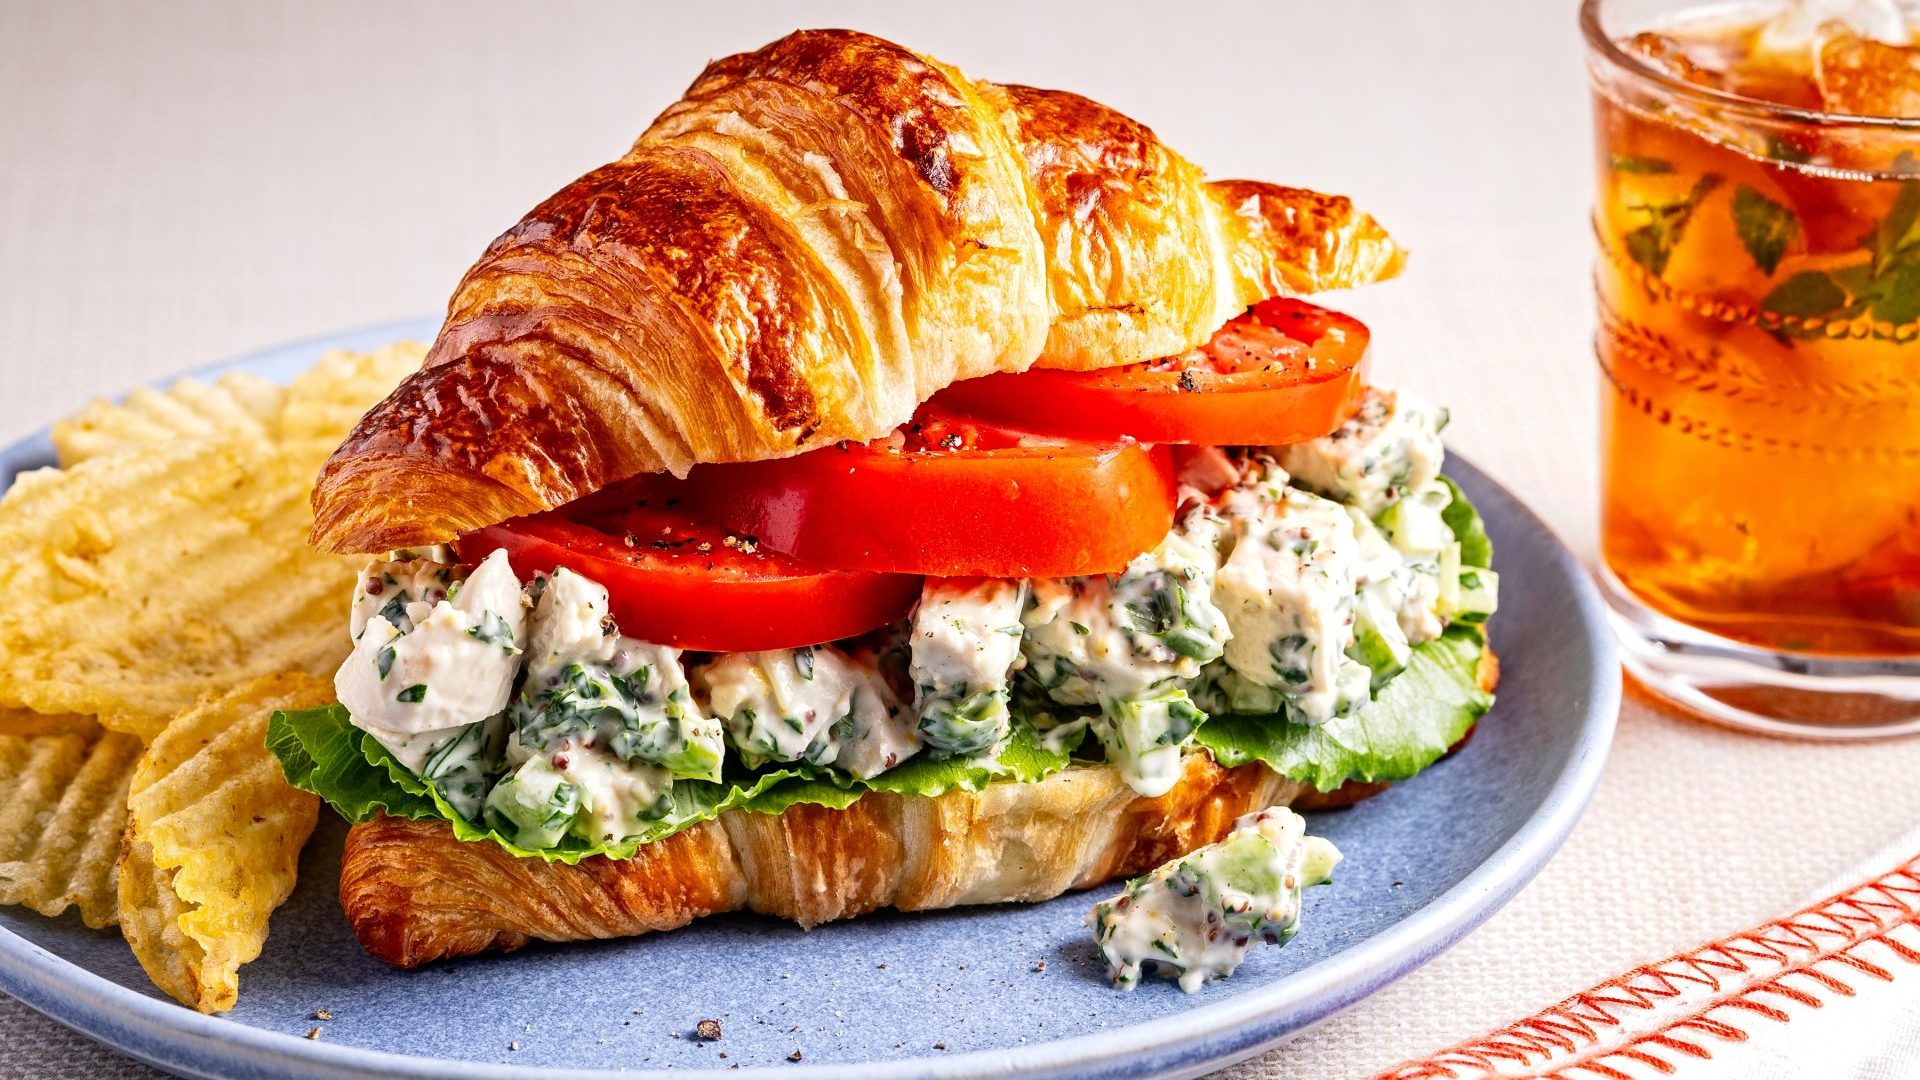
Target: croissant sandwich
[(878, 487)]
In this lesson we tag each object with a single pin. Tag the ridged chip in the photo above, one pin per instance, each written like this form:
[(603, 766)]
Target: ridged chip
[(136, 580), (240, 404), (26, 722), (213, 840), (170, 555), (329, 398), (63, 804)]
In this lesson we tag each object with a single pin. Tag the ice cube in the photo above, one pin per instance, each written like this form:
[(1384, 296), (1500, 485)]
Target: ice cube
[(1670, 55), (1865, 77), (1798, 29)]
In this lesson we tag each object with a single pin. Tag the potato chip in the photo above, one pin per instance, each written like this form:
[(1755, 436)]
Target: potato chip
[(26, 722), (328, 399), (213, 840), (240, 405), (171, 556), (63, 803), (136, 580)]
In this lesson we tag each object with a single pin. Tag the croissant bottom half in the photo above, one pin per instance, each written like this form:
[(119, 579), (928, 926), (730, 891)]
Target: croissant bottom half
[(415, 894)]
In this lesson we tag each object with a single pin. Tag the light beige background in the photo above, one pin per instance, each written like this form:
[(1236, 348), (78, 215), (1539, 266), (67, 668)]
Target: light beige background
[(183, 182)]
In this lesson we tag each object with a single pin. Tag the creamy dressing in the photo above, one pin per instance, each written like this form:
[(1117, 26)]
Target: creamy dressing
[(450, 662), (818, 704), (464, 764), (1288, 590), (1406, 558), (1195, 918), (588, 686), (1389, 447), (587, 791), (1126, 643), (965, 644)]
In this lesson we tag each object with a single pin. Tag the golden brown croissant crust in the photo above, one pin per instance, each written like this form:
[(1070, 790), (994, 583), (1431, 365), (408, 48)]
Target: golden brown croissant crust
[(817, 237), (415, 894)]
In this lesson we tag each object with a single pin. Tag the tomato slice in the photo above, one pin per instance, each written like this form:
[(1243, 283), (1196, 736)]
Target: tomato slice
[(952, 497), (1284, 371), (674, 580)]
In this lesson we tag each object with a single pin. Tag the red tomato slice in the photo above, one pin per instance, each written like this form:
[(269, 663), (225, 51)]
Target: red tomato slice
[(952, 497), (676, 582), (1284, 371)]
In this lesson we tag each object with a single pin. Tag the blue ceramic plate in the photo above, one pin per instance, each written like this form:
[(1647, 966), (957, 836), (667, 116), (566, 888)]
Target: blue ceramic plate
[(946, 994)]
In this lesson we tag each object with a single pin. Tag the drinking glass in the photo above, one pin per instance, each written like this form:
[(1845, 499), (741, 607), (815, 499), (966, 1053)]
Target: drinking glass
[(1758, 286)]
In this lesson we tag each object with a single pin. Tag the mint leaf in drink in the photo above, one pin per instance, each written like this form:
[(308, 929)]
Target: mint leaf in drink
[(1806, 295), (1898, 233), (1856, 279), (1766, 227), (1897, 298), (1640, 166), (1651, 245)]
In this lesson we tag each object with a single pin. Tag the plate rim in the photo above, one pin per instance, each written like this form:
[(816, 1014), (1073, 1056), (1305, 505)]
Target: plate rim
[(169, 1036)]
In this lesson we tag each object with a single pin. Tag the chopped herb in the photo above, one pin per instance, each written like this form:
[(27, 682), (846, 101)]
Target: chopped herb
[(384, 661), (803, 662), (1080, 628), (395, 611), (412, 695), (1191, 644), (494, 631)]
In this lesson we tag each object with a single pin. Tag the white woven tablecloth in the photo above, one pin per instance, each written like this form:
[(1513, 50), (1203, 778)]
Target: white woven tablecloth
[(179, 183)]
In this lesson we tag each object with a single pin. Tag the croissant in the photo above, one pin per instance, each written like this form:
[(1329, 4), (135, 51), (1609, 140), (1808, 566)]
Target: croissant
[(414, 894), (817, 237)]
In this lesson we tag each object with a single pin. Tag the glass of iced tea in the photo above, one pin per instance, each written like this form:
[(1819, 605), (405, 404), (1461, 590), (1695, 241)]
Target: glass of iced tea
[(1757, 212)]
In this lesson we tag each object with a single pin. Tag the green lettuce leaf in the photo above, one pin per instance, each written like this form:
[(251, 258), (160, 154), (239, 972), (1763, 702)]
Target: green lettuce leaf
[(321, 751), (1416, 717), (1475, 547), (1022, 761)]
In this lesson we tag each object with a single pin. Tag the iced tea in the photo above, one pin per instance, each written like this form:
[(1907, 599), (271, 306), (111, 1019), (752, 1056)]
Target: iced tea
[(1759, 331)]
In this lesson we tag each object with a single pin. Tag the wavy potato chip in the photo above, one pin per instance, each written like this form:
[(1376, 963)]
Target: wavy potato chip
[(63, 804), (213, 840), (136, 580), (239, 405), (26, 722), (170, 555), (327, 399)]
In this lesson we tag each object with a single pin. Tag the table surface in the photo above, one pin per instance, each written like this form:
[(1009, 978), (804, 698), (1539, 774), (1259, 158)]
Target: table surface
[(185, 182)]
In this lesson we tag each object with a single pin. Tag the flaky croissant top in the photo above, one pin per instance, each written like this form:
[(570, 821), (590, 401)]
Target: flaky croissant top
[(817, 237)]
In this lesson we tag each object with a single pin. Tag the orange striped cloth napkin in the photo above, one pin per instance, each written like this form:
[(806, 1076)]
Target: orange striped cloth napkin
[(1831, 992)]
